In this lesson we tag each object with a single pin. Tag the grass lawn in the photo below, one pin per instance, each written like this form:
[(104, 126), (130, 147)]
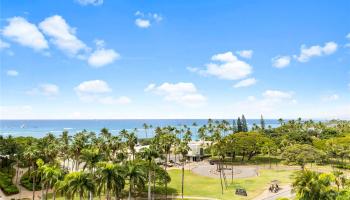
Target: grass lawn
[(200, 186), (196, 185)]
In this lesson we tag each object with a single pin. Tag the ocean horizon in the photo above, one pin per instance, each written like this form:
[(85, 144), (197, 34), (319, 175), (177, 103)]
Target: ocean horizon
[(40, 127)]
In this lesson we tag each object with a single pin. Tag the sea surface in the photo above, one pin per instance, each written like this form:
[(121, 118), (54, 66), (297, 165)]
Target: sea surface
[(39, 128)]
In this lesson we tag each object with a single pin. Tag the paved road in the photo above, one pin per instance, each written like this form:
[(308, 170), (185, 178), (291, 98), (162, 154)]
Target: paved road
[(286, 191)]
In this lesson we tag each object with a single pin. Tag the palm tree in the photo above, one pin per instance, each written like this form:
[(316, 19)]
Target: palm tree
[(183, 150), (145, 127), (91, 157), (31, 153), (79, 143), (131, 141), (64, 140), (136, 176), (51, 174), (106, 177), (280, 120), (310, 185), (149, 154), (79, 182)]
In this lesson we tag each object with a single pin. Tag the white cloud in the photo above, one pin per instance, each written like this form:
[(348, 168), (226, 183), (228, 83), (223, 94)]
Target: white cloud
[(4, 45), (102, 57), (245, 83), (110, 100), (228, 67), (96, 90), (271, 103), (90, 2), (12, 73), (181, 93), (142, 23), (150, 87), (281, 61), (277, 94), (25, 33), (146, 20), (245, 53), (332, 97), (92, 87), (48, 90), (306, 53), (62, 35)]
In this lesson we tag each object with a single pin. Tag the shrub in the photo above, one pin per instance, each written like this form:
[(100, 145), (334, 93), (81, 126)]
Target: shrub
[(342, 166), (6, 184), (27, 182)]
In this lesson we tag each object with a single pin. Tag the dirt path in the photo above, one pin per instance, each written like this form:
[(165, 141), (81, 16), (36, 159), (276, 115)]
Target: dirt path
[(23, 192)]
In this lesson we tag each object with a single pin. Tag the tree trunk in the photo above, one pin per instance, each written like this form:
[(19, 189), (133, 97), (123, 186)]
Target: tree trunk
[(107, 195), (154, 185), (33, 178), (222, 186), (166, 184), (54, 195), (47, 191), (91, 196), (116, 194), (42, 190), (149, 183), (232, 169), (130, 190), (182, 180)]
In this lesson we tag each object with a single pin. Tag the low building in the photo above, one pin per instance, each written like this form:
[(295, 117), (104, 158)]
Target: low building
[(196, 152)]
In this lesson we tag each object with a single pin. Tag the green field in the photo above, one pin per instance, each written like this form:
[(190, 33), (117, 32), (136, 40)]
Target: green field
[(196, 185)]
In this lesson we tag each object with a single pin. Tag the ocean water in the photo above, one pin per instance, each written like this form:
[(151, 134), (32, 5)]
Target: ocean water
[(39, 128)]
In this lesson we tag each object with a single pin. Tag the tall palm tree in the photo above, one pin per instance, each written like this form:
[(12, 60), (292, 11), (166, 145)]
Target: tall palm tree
[(64, 143), (31, 153), (79, 182), (91, 157), (131, 141), (52, 174), (145, 127), (110, 177), (183, 150), (136, 176), (149, 154)]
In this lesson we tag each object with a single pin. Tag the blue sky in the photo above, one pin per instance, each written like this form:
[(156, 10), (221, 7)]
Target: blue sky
[(174, 59)]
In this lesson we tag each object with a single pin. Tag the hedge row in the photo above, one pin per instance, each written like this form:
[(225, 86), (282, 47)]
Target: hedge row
[(27, 182), (6, 184)]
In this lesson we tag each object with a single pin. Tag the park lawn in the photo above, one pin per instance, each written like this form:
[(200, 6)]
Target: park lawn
[(196, 185), (201, 186)]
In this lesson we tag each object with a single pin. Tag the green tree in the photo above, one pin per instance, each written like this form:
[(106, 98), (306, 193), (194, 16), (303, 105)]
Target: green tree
[(136, 176), (107, 176), (239, 125), (301, 154), (149, 154), (310, 185), (79, 182), (244, 124), (262, 123)]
